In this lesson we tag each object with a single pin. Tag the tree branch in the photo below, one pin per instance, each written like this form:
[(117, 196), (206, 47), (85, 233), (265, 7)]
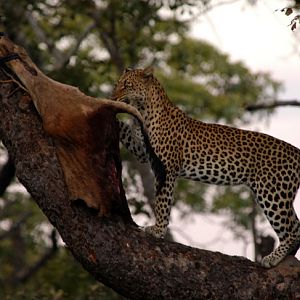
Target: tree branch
[(114, 251), (65, 57), (41, 36), (275, 104), (108, 37), (25, 274), (61, 58)]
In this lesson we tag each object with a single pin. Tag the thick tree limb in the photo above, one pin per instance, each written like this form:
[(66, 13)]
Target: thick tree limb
[(275, 104), (114, 251)]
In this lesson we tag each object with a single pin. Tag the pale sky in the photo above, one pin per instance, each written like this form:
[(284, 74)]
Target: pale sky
[(261, 38)]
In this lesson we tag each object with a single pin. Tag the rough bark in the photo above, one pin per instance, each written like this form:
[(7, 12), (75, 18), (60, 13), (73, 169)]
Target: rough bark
[(112, 249)]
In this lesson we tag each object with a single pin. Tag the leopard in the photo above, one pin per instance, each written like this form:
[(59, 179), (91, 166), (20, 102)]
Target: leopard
[(213, 154)]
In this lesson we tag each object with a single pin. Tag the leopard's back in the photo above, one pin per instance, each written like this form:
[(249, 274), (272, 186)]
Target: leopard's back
[(222, 154)]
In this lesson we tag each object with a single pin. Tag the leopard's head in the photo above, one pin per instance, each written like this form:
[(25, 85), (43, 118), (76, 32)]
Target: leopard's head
[(132, 87)]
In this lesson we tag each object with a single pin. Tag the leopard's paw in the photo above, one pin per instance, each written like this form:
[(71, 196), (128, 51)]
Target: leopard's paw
[(270, 261), (155, 231)]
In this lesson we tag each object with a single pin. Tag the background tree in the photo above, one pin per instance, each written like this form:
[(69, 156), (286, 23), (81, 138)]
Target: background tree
[(88, 44)]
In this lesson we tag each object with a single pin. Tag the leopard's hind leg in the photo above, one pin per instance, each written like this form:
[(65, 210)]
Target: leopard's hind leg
[(278, 208), (162, 206), (287, 246)]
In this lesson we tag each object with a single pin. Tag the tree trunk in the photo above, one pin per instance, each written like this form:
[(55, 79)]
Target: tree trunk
[(112, 248)]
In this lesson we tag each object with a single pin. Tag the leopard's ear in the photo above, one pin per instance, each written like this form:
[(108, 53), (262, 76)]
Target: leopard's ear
[(127, 70), (148, 72)]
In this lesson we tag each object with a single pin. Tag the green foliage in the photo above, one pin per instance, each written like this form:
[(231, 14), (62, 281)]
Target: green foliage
[(193, 194), (26, 245), (61, 278), (88, 44), (237, 203), (209, 86)]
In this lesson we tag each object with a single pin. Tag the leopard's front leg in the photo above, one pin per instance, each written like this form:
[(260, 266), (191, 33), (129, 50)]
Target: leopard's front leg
[(131, 137), (162, 207)]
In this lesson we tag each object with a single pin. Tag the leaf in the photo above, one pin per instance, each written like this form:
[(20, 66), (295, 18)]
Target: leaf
[(289, 11)]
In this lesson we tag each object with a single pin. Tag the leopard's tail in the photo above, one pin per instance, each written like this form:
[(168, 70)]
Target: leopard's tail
[(157, 165)]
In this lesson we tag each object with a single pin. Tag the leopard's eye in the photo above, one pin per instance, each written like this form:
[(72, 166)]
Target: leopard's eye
[(127, 84)]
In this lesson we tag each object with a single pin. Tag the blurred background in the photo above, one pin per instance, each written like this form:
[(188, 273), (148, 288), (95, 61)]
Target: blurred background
[(228, 61)]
